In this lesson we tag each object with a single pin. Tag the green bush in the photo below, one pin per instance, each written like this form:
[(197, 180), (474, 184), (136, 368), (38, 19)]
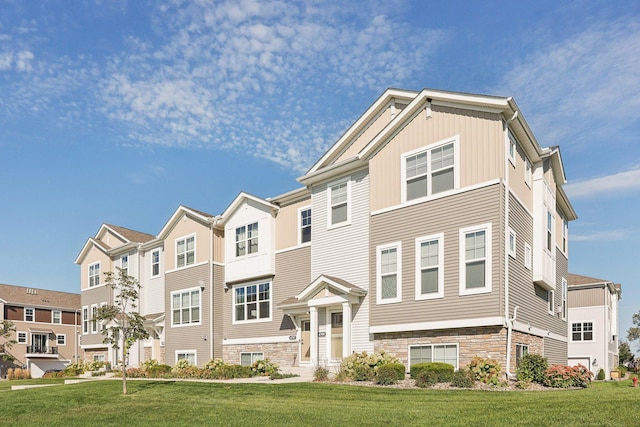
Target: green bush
[(532, 368), (485, 370), (623, 371), (444, 371), (601, 375), (74, 369), (426, 378), (363, 367), (462, 379), (389, 374), (158, 371), (321, 374), (279, 376)]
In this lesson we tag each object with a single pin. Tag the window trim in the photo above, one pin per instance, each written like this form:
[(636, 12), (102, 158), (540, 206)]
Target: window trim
[(234, 321), (89, 275), (85, 320), (528, 172), (191, 323), (64, 340), (549, 235), (488, 260), (512, 148), (455, 140), (527, 256), (331, 184), (551, 298), (53, 317), (124, 264), (300, 226), (582, 331), (33, 314), (252, 353), (194, 352), (398, 298), (94, 323), (565, 234), (18, 340), (439, 237), (512, 249), (246, 240), (432, 345), (564, 308), (523, 352), (154, 263), (186, 252)]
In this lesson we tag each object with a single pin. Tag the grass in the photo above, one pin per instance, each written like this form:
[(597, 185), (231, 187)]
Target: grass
[(305, 404)]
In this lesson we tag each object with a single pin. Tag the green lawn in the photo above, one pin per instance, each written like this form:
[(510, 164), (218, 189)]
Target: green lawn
[(184, 403)]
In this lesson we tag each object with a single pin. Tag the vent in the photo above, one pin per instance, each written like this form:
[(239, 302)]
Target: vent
[(32, 291)]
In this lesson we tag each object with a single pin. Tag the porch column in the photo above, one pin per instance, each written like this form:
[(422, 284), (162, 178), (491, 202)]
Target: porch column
[(313, 345), (346, 329)]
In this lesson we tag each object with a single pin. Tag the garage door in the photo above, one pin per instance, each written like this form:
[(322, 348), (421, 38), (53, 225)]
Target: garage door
[(39, 367)]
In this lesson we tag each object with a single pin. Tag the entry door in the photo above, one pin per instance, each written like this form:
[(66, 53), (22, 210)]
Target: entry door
[(336, 336), (305, 344), (39, 343)]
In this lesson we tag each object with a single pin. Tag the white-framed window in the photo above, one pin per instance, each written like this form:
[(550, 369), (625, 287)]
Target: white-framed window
[(445, 353), (56, 317), (527, 255), (61, 339), (565, 234), (29, 314), (85, 320), (252, 302), (521, 351), (21, 337), (563, 308), (189, 355), (185, 307), (94, 274), (389, 273), (430, 267), (304, 227), (550, 299), (155, 263), (247, 239), (511, 149), (185, 251), (98, 358), (528, 172), (124, 264), (94, 321), (549, 231), (511, 243), (249, 358), (582, 331), (430, 170), (475, 259), (339, 201)]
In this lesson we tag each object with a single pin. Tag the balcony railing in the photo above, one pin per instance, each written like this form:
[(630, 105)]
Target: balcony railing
[(32, 349)]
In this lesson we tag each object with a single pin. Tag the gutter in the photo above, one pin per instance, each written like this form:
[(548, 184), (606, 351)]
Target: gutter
[(506, 243)]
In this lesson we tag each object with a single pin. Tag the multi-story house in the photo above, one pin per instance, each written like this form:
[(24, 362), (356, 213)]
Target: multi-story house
[(435, 228), (593, 323), (47, 326)]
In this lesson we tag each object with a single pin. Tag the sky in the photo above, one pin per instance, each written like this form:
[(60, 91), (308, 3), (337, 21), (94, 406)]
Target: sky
[(120, 111)]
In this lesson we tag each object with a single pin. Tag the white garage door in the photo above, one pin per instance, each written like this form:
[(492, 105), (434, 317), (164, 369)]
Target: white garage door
[(584, 361), (39, 367)]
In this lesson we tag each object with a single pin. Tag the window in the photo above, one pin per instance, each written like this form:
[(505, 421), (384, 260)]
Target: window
[(339, 196), (527, 172), (305, 225), (189, 355), (550, 299), (429, 267), (185, 251), (98, 358), (124, 265), (247, 239), (512, 149), (248, 359), (94, 275), (521, 351), (564, 299), (549, 230), (389, 282), (61, 339), (155, 263), (28, 315), (475, 256), (512, 243), (56, 317), (582, 331), (527, 255), (94, 322), (252, 302), (429, 171), (22, 338), (445, 353), (185, 307), (85, 320), (565, 232)]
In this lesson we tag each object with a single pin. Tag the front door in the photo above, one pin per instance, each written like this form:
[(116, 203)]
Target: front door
[(39, 343), (305, 341), (336, 336)]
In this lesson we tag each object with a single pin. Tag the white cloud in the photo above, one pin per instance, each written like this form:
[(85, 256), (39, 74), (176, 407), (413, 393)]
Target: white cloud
[(616, 184), (604, 236)]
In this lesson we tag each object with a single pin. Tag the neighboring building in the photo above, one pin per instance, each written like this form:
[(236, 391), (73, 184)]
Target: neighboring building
[(47, 327), (436, 228), (593, 323)]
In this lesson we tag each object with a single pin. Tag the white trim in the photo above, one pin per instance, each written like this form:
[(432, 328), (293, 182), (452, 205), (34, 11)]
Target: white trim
[(528, 173), (189, 266), (437, 196), (328, 337), (398, 298), (219, 264), (65, 340), (93, 324), (528, 255), (432, 344), (89, 274), (256, 283), (85, 331), (182, 291), (439, 324), (522, 205), (342, 180), (185, 238), (512, 143), (26, 337), (151, 275), (259, 340), (512, 250), (92, 346), (292, 248), (564, 299), (439, 237), (533, 330), (300, 210), (52, 318), (551, 301), (33, 314), (190, 351), (582, 322), (488, 259)]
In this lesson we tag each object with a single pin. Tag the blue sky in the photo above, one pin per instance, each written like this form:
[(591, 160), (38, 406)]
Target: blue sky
[(118, 112)]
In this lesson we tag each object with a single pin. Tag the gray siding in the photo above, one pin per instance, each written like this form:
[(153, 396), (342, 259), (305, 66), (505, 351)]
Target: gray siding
[(555, 351), (592, 297), (88, 297), (218, 296), (447, 215)]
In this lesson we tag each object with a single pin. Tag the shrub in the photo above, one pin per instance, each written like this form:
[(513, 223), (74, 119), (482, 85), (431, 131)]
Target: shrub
[(214, 364), (363, 367), (341, 376), (462, 379), (561, 376), (532, 368), (389, 374), (426, 378), (485, 370), (444, 371), (623, 371), (279, 376), (601, 375), (321, 374), (158, 371), (149, 365), (235, 371), (264, 367), (74, 369)]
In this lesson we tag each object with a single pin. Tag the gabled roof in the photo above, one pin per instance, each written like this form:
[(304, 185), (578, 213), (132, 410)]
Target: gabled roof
[(34, 297), (323, 281), (240, 199), (182, 210), (576, 279), (129, 238), (128, 234)]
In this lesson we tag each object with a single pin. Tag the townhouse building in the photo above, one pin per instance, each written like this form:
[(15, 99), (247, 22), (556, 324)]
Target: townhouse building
[(593, 323), (435, 227), (47, 326)]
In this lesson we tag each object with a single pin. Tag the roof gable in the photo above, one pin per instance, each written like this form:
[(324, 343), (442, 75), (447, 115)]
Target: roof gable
[(200, 216), (34, 297), (240, 199)]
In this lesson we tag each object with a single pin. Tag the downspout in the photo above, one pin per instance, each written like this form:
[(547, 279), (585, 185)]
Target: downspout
[(510, 323), (211, 294), (506, 245)]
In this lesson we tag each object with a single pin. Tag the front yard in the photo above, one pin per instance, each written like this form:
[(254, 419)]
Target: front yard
[(190, 403)]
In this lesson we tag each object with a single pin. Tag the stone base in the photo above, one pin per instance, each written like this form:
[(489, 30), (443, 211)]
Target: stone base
[(284, 354)]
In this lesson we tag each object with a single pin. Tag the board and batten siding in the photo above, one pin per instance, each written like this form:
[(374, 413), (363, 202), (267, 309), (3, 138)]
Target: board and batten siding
[(446, 215), (481, 150), (586, 297), (151, 287), (188, 337), (343, 252)]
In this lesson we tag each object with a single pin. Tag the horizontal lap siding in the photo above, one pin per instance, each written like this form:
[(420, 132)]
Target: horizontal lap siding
[(447, 215), (555, 351), (218, 309)]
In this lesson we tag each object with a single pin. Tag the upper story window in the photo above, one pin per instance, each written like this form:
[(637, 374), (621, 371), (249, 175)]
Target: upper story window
[(511, 150), (185, 251), (155, 263), (252, 302), (339, 200), (429, 171), (305, 225), (94, 274), (247, 239), (563, 307), (56, 317), (550, 298), (549, 231), (85, 320), (528, 172), (94, 321), (29, 315), (185, 307), (565, 233), (22, 337), (582, 331), (475, 259), (389, 280), (512, 243), (527, 255), (124, 264), (430, 266)]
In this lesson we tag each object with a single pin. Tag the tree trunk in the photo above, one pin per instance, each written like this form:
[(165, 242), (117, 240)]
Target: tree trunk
[(124, 374)]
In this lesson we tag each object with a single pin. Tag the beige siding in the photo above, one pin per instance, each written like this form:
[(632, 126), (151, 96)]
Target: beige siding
[(287, 224), (218, 245), (517, 182), (112, 240), (481, 150), (591, 297), (94, 255), (448, 216), (367, 135), (185, 227)]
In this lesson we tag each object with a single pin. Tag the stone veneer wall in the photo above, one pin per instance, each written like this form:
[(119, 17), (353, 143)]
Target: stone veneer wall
[(536, 346), (284, 354), (88, 354)]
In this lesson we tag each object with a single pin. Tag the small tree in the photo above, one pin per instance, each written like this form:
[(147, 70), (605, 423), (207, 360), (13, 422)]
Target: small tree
[(124, 326), (633, 334), (624, 352), (6, 329)]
